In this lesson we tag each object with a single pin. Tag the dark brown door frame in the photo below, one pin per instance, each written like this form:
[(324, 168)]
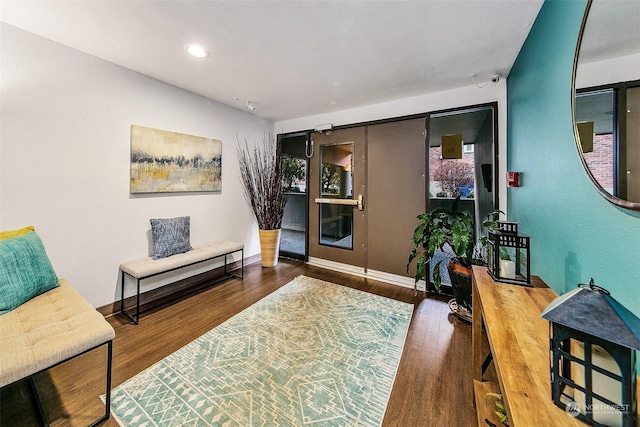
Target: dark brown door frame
[(426, 116)]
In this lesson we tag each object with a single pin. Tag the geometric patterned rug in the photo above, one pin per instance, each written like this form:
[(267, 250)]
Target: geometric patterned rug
[(312, 353)]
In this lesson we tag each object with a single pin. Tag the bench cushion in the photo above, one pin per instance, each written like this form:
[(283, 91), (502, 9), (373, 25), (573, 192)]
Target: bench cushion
[(145, 267), (48, 329)]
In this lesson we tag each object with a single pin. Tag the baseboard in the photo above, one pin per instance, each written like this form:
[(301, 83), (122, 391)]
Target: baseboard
[(394, 279), (337, 266), (163, 294)]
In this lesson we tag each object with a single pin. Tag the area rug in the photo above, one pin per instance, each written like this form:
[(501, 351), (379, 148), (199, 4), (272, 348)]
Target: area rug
[(312, 353)]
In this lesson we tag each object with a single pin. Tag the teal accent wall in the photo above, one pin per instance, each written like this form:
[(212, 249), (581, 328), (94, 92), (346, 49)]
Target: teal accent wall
[(575, 233)]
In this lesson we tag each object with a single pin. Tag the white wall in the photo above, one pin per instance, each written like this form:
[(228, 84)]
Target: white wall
[(614, 70), (461, 97), (64, 157)]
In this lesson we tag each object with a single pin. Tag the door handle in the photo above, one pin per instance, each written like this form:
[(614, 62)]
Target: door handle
[(359, 202)]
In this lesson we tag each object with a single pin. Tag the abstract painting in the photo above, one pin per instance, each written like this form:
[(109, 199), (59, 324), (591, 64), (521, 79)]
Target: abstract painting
[(170, 162)]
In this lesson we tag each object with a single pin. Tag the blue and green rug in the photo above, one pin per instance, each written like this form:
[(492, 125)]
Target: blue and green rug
[(311, 353)]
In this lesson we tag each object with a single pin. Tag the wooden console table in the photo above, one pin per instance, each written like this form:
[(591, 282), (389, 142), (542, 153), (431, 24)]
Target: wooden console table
[(519, 343)]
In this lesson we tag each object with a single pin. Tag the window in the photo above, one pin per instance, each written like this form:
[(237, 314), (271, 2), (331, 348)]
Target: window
[(610, 137), (470, 175)]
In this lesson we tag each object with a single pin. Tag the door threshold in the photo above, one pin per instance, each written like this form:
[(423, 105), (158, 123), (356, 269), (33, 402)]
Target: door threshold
[(393, 279)]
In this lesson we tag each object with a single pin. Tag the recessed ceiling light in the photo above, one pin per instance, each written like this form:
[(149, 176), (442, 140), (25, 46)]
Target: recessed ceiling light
[(196, 50)]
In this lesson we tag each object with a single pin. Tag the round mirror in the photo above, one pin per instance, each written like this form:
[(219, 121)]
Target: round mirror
[(607, 99)]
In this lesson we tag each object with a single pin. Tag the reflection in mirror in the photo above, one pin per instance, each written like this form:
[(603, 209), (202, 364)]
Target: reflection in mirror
[(336, 182), (608, 129), (607, 102)]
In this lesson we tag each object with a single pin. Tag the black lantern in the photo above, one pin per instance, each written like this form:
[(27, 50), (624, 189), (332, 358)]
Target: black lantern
[(593, 338), (508, 254)]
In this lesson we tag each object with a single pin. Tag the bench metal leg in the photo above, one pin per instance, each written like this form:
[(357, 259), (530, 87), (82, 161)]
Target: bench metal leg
[(121, 291), (35, 395), (136, 319), (107, 399), (226, 272), (138, 302)]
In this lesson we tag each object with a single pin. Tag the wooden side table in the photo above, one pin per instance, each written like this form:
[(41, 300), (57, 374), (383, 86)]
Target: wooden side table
[(519, 344)]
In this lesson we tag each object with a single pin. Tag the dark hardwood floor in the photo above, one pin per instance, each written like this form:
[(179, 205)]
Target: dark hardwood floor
[(433, 386)]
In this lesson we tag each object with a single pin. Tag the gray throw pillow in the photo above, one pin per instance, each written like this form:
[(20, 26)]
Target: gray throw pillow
[(170, 236)]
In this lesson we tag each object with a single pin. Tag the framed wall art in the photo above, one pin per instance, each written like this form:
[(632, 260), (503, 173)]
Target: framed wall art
[(171, 162)]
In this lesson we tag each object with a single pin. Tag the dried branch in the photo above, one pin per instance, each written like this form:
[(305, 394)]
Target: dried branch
[(261, 175)]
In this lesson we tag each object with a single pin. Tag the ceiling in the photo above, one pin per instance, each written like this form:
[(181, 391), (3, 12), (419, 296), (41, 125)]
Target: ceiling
[(611, 30), (293, 58), (466, 122)]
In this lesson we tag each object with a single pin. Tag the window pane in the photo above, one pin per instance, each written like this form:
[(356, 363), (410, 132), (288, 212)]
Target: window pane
[(336, 221), (336, 225), (337, 178), (294, 172), (450, 178), (597, 107)]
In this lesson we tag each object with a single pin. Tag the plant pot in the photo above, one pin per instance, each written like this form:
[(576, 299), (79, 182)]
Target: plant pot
[(269, 247), (461, 284)]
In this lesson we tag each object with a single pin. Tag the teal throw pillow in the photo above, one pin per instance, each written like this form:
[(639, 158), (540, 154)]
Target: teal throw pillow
[(25, 270)]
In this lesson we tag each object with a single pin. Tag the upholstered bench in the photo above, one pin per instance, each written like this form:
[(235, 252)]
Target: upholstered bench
[(148, 267), (50, 329)]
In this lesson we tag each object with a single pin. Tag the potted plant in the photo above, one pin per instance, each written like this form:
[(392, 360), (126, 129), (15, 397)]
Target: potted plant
[(450, 229), (261, 176)]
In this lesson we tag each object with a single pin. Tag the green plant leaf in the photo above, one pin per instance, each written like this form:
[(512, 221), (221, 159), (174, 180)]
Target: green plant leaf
[(461, 237), (412, 256), (502, 417), (418, 234), (437, 279), (419, 274)]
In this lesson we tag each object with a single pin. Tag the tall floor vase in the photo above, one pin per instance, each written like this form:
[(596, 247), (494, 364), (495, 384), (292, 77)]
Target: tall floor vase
[(269, 247)]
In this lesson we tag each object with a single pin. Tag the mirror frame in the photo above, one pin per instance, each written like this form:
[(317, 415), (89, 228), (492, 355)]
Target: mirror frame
[(604, 193)]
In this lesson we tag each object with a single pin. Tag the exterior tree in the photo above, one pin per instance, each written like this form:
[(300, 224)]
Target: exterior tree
[(453, 177), (330, 179), (293, 170)]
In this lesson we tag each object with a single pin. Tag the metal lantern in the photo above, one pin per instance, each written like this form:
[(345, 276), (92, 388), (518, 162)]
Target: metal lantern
[(508, 254), (593, 338)]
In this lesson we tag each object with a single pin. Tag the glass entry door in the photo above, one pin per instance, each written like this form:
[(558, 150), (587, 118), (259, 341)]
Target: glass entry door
[(337, 197), (293, 240)]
